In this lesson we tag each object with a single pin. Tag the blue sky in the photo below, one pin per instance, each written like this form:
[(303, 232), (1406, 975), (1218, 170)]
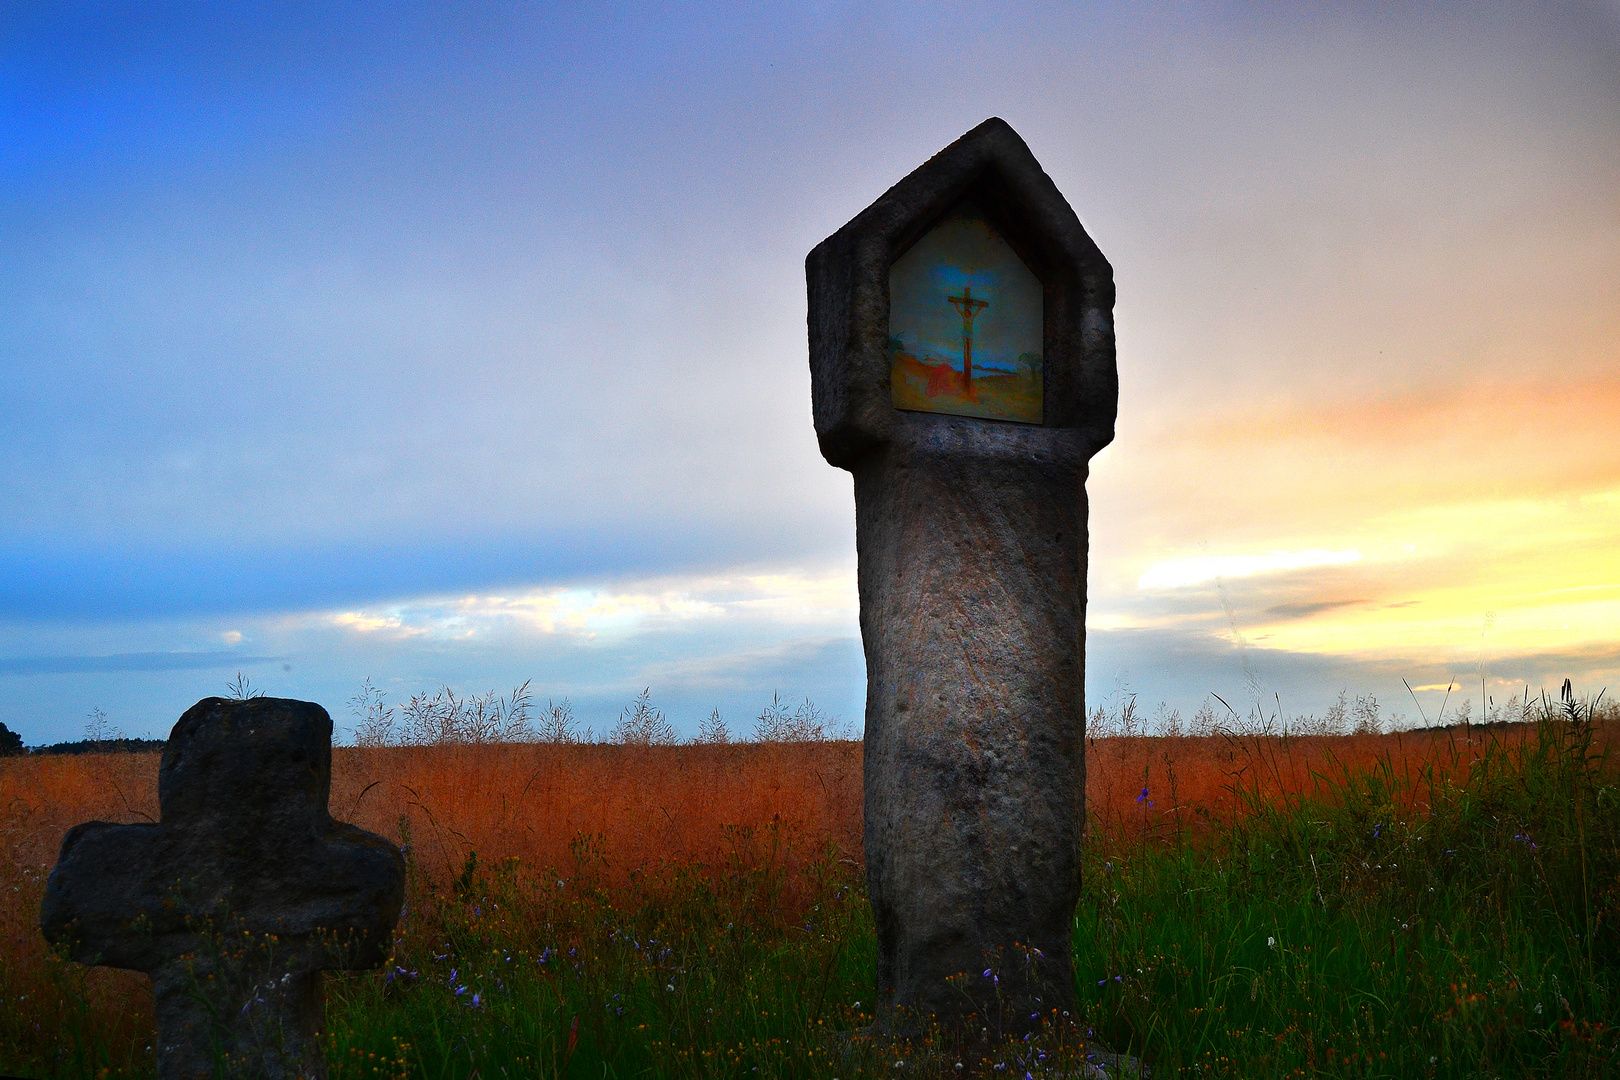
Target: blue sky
[(465, 344)]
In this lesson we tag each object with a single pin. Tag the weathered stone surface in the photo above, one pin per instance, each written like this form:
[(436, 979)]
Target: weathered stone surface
[(972, 543), (239, 897)]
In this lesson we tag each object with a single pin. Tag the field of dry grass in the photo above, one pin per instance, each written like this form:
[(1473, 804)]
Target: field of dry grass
[(643, 808), (648, 807), (1196, 782), (654, 805), (647, 810)]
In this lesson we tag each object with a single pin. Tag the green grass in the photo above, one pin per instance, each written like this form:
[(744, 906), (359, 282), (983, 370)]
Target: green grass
[(1461, 923), (696, 972)]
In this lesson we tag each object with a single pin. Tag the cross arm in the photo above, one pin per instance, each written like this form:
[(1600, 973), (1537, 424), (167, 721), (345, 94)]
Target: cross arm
[(103, 899), (341, 895)]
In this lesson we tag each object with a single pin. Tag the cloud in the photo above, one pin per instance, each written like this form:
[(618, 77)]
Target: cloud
[(90, 580), (1352, 459), (143, 661), (1301, 611), (785, 601), (362, 623), (753, 669), (1180, 668), (699, 641), (1176, 573)]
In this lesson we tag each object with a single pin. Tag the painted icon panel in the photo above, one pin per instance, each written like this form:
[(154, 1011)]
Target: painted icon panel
[(965, 324)]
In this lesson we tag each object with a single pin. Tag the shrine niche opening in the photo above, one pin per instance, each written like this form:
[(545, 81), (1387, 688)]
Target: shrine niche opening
[(966, 324)]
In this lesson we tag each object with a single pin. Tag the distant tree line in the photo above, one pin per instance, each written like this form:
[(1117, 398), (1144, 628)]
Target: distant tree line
[(11, 745), (106, 746)]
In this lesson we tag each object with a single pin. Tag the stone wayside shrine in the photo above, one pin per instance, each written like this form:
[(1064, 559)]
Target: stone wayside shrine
[(239, 897), (962, 368)]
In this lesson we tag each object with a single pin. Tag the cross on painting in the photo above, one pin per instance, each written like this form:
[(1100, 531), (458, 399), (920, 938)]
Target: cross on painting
[(965, 324), (969, 307)]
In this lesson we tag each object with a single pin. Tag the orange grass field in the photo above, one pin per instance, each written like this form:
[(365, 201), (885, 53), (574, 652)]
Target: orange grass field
[(648, 807), (652, 806)]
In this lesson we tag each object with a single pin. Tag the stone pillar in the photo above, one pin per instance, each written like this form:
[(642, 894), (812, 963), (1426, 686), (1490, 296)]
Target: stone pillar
[(971, 530)]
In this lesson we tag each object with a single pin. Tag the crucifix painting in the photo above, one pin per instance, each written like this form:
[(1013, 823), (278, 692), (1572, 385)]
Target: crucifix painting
[(965, 324)]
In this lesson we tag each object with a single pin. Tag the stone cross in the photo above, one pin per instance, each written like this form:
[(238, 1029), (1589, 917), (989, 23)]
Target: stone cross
[(971, 519), (239, 897)]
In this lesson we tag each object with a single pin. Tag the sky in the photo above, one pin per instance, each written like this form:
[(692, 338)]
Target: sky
[(464, 345)]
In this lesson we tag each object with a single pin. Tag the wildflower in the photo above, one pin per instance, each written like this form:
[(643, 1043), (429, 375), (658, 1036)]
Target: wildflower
[(1271, 943)]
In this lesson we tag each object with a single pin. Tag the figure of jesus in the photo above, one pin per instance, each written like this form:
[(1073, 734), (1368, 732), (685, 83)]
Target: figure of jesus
[(967, 307)]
